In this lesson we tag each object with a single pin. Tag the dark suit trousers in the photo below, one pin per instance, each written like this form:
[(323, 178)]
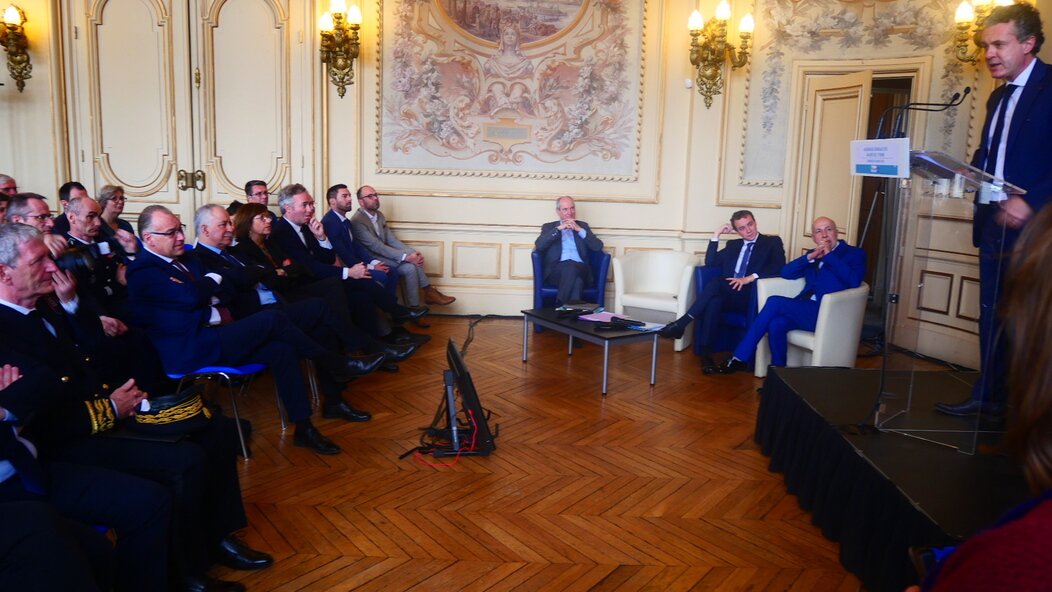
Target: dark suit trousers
[(569, 277), (270, 337), (716, 299), (200, 473), (139, 510), (995, 248), (43, 551), (779, 316)]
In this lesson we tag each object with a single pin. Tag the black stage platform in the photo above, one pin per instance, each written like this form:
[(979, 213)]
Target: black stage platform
[(879, 493)]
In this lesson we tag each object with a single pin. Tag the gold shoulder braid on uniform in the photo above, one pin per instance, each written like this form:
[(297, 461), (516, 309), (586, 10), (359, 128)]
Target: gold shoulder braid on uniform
[(102, 415)]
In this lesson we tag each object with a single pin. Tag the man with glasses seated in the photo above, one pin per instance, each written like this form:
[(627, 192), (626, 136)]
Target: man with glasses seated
[(255, 192), (177, 301), (31, 209)]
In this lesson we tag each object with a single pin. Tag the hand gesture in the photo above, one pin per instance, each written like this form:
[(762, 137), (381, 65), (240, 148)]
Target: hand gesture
[(127, 240), (739, 283), (416, 259), (55, 244), (316, 228), (127, 397), (112, 327), (1014, 212), (381, 266), (819, 251), (725, 229), (8, 374), (65, 285), (358, 271)]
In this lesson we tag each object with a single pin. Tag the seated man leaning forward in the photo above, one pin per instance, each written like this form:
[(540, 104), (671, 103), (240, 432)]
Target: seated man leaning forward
[(565, 247), (831, 266), (743, 261)]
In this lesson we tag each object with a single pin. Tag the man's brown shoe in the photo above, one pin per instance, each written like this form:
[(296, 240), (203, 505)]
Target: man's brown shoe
[(433, 296)]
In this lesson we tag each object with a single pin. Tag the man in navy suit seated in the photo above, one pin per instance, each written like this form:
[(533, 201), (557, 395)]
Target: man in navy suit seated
[(743, 261), (351, 252), (566, 246), (832, 266)]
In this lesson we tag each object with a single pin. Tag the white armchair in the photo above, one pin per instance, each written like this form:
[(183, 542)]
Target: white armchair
[(834, 341), (655, 286)]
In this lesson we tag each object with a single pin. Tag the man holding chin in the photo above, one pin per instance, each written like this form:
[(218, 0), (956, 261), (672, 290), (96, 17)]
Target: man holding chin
[(832, 266)]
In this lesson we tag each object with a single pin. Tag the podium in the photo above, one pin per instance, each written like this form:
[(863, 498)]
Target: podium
[(939, 187)]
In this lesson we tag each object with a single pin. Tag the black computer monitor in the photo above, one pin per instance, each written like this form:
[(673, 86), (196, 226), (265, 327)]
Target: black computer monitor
[(475, 436)]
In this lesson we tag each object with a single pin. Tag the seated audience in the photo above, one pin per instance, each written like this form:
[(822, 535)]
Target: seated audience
[(832, 266), (32, 209), (1014, 553), (350, 251), (303, 238), (102, 283), (173, 297), (255, 192), (565, 247), (743, 261), (8, 186), (116, 231)]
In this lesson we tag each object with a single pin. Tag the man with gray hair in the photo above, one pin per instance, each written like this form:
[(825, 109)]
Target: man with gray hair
[(565, 247), (8, 185), (31, 209)]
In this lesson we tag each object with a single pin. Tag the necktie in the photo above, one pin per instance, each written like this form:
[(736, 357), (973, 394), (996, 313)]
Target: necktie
[(230, 258), (745, 261), (995, 141), (184, 269), (308, 236)]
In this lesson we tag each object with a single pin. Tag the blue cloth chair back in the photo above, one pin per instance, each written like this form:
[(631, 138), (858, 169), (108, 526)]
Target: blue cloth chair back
[(544, 294)]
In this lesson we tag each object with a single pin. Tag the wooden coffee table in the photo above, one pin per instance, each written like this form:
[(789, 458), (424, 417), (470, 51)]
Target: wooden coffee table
[(585, 330)]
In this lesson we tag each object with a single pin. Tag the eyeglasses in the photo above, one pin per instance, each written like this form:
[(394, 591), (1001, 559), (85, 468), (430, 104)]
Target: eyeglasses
[(40, 217), (122, 198), (172, 232), (369, 195), (261, 194), (11, 190)]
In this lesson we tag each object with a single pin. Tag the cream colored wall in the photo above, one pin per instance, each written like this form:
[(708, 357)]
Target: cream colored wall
[(477, 247), (33, 147)]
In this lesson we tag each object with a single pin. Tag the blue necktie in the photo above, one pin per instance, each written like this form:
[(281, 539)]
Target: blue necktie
[(995, 142), (745, 261)]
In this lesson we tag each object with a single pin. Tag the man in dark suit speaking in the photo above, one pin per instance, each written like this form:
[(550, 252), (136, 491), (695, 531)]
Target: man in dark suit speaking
[(832, 266), (1015, 147), (565, 246), (743, 261)]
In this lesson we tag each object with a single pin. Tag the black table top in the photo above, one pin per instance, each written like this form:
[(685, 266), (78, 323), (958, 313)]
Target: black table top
[(570, 323)]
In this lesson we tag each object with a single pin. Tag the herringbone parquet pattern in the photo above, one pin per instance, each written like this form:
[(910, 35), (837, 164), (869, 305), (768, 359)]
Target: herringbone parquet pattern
[(651, 488)]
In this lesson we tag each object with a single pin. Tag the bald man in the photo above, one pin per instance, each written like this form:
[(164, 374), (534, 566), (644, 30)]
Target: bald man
[(832, 266)]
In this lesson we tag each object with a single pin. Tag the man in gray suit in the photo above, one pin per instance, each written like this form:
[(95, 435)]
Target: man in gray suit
[(369, 228)]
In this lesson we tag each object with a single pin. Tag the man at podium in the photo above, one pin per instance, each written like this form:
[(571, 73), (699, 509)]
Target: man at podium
[(1014, 146)]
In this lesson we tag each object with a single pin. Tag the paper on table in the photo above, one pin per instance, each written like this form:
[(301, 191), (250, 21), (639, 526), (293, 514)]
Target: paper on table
[(606, 317)]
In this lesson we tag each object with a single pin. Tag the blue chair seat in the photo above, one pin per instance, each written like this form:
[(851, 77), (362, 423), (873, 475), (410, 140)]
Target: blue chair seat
[(235, 378), (544, 294)]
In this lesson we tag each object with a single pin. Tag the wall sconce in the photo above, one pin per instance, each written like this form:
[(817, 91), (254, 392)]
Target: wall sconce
[(339, 43), (13, 38), (970, 17), (708, 54)]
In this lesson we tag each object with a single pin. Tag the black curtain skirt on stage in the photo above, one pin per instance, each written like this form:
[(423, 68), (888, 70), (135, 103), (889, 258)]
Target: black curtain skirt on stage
[(876, 494)]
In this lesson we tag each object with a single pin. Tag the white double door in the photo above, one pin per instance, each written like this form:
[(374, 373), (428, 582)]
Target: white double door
[(182, 101)]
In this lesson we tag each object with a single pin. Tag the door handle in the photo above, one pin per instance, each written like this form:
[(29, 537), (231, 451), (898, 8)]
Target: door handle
[(182, 179), (199, 180)]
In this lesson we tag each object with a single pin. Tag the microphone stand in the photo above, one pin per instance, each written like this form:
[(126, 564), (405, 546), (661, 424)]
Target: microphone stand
[(898, 130)]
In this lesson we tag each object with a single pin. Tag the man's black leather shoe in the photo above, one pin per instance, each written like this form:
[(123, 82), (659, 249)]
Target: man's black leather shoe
[(971, 407), (237, 555), (310, 437), (409, 313), (343, 411), (675, 329), (399, 336), (731, 366), (208, 584), (351, 366), (396, 352)]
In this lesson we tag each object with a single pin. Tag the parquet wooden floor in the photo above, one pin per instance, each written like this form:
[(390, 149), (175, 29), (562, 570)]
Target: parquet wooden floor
[(650, 488)]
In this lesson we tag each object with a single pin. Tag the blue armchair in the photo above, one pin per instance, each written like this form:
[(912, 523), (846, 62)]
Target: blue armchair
[(544, 295), (733, 325)]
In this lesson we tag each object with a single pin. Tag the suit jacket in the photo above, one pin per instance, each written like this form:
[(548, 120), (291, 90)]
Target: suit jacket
[(1028, 151), (175, 307), (383, 245), (841, 269), (98, 287), (340, 234), (549, 245), (766, 260), (59, 385), (296, 275), (239, 280), (320, 261)]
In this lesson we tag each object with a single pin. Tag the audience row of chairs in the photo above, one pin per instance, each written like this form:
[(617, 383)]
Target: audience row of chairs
[(660, 285)]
